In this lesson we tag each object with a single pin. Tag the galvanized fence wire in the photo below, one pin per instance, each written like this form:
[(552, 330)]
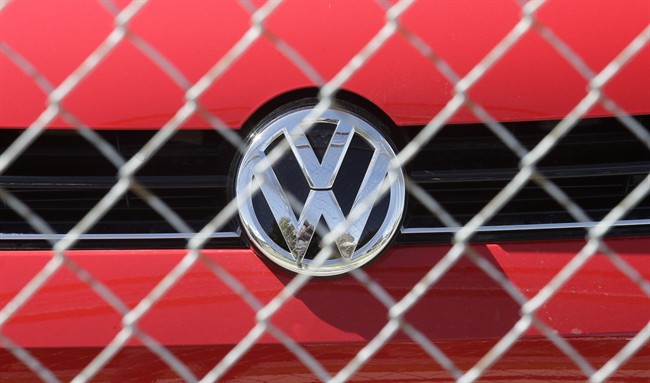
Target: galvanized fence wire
[(461, 247)]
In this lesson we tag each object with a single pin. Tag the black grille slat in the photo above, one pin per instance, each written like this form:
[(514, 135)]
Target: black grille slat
[(597, 164), (61, 176), (79, 182), (467, 175)]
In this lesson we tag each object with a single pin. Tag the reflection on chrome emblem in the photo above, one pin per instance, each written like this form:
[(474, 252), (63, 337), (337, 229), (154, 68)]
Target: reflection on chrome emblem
[(282, 225)]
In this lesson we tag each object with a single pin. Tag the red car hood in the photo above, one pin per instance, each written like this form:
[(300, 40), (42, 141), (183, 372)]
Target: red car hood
[(532, 81)]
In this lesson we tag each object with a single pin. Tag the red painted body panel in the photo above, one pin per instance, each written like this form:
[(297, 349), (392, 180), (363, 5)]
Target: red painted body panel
[(532, 82), (530, 360), (466, 304), (466, 313)]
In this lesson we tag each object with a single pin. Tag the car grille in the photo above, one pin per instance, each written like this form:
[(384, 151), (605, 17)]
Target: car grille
[(596, 165), (61, 176)]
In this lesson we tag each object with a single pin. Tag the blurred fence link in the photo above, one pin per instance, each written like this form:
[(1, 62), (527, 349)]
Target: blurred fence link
[(461, 246)]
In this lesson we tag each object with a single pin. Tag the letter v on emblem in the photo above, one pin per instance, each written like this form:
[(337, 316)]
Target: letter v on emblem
[(320, 174)]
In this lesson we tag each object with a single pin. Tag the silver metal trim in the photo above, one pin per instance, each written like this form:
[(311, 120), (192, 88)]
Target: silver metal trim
[(541, 226), (94, 237), (409, 230)]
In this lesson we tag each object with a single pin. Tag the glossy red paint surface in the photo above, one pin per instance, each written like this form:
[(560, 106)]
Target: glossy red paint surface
[(531, 82), (201, 319), (530, 360), (466, 304)]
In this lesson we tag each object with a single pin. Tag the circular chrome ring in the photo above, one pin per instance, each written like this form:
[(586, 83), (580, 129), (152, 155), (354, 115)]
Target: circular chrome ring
[(256, 173)]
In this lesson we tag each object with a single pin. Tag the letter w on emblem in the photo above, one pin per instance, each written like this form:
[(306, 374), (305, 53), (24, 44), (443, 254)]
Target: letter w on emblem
[(321, 201)]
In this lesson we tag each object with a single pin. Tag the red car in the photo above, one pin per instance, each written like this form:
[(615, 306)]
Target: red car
[(325, 190)]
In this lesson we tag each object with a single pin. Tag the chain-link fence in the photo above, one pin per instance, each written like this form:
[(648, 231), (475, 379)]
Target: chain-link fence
[(594, 245)]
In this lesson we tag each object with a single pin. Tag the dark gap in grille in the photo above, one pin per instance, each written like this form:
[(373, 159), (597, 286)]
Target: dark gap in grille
[(597, 164), (61, 176)]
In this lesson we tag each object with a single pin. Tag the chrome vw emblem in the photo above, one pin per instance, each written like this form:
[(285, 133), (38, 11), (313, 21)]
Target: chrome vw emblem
[(291, 224)]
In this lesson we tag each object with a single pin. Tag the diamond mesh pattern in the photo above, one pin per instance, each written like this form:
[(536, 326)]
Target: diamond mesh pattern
[(461, 247)]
